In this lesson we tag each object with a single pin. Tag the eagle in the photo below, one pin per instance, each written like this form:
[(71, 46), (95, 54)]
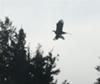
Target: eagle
[(59, 30)]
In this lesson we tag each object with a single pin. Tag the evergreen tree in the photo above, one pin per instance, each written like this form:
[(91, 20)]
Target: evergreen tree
[(43, 68), (98, 79), (6, 33), (19, 62)]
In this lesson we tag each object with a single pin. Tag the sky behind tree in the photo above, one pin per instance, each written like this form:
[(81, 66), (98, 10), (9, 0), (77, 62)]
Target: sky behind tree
[(80, 51)]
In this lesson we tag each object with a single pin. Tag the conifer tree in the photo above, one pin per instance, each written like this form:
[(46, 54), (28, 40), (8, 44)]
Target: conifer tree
[(43, 68), (6, 33), (98, 79)]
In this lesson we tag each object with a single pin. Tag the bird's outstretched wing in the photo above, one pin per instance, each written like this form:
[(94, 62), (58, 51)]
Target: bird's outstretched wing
[(59, 26)]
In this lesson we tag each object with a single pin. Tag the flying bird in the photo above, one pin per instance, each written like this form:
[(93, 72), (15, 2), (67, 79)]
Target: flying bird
[(59, 30)]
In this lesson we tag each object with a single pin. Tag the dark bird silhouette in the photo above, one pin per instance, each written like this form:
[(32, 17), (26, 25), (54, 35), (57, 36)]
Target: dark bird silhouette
[(59, 30)]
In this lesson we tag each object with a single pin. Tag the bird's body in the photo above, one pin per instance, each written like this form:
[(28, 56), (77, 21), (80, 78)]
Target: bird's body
[(59, 30)]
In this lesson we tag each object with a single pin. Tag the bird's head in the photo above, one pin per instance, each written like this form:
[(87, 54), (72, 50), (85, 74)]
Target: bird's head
[(61, 21)]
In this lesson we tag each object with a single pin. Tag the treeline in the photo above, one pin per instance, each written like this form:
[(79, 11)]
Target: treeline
[(18, 65)]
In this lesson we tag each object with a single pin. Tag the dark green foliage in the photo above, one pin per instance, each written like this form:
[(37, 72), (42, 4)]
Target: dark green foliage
[(17, 65), (43, 68), (98, 79), (6, 33)]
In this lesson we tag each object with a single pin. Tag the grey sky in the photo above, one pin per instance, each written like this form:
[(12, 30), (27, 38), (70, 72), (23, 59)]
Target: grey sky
[(80, 51)]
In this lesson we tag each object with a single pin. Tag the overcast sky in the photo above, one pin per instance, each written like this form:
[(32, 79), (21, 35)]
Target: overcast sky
[(80, 51)]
